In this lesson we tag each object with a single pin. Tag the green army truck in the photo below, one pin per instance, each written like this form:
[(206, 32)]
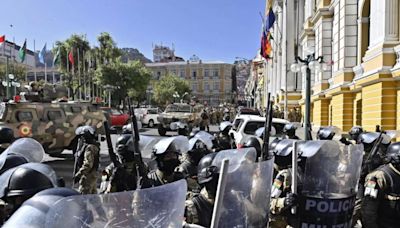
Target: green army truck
[(52, 124)]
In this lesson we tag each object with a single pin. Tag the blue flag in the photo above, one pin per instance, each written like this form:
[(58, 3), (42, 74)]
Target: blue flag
[(42, 54)]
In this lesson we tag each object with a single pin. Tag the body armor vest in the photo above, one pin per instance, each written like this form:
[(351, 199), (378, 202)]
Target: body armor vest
[(81, 158), (390, 206), (204, 210)]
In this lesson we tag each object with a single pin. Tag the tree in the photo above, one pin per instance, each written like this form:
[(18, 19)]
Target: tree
[(107, 52), (165, 88), (129, 79)]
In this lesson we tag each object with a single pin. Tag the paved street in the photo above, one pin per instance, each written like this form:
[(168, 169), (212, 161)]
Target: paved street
[(63, 164)]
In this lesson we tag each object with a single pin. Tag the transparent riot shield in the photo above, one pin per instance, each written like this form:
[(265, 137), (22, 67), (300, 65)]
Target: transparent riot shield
[(146, 144), (161, 207), (246, 197), (237, 157), (181, 143), (206, 138), (29, 148), (329, 187)]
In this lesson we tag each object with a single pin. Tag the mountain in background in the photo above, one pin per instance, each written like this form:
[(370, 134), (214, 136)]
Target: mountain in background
[(128, 54), (132, 54)]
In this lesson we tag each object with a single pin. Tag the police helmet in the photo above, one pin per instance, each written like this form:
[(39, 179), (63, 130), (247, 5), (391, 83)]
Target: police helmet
[(6, 135), (393, 154), (355, 132), (177, 144), (124, 142), (11, 161), (289, 129), (88, 132), (325, 133), (206, 171), (225, 126), (25, 181), (193, 133), (253, 142)]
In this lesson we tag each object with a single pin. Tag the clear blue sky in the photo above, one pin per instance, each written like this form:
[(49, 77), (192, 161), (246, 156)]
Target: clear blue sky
[(211, 29)]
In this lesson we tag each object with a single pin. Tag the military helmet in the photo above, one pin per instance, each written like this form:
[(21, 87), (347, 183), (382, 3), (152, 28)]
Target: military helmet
[(253, 142), (393, 154), (11, 161), (225, 126), (25, 181), (289, 127), (124, 142), (6, 135), (325, 133), (355, 132), (206, 171)]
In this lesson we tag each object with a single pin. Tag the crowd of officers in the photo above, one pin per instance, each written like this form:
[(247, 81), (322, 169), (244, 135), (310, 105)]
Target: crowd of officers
[(378, 200)]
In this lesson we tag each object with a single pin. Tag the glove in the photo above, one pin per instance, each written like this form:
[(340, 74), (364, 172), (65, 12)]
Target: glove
[(290, 200)]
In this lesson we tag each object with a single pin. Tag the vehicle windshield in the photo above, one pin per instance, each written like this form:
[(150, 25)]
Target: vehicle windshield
[(177, 108), (2, 110), (252, 126)]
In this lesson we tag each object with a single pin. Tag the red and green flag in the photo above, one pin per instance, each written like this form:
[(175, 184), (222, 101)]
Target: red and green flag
[(22, 52)]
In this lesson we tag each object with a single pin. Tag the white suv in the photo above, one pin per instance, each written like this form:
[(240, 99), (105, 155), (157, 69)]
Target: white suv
[(148, 116), (246, 125)]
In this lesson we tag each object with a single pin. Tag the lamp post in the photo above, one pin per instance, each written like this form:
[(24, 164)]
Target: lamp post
[(8, 83), (109, 88), (308, 64)]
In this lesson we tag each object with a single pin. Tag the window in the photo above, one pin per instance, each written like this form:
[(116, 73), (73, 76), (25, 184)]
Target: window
[(194, 75), (158, 75), (206, 73), (152, 111), (236, 124), (24, 116), (215, 73), (182, 74), (206, 87), (216, 86), (54, 115), (76, 109), (173, 72), (252, 126), (194, 87)]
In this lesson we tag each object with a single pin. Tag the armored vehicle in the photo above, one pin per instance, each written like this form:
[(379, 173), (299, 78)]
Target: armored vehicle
[(179, 117), (52, 124)]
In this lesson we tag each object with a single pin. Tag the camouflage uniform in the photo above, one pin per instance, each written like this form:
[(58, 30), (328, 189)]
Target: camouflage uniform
[(158, 178), (199, 208), (87, 173)]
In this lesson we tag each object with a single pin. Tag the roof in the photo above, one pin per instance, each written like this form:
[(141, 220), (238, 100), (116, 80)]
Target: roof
[(185, 63), (261, 118)]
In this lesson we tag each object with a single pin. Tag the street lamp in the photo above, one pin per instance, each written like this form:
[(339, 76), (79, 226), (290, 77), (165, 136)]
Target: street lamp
[(8, 83), (306, 65)]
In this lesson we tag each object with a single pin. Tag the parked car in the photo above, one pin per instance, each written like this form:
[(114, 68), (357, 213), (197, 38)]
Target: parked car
[(246, 125), (116, 117), (149, 116)]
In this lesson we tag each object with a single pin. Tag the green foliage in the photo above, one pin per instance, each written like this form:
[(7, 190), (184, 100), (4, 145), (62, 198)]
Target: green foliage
[(107, 52), (165, 88), (129, 79), (17, 70)]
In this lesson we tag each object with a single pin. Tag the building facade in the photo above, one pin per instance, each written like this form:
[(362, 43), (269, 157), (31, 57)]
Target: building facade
[(209, 81), (360, 44), (9, 51)]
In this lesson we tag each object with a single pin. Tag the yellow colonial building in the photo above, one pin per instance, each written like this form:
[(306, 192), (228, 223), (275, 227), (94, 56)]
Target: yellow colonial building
[(360, 43)]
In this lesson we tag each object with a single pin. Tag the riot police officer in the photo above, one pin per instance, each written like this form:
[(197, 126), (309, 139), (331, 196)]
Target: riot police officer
[(355, 133), (199, 207), (381, 204), (224, 141), (87, 161), (290, 131), (125, 177), (22, 182), (166, 153)]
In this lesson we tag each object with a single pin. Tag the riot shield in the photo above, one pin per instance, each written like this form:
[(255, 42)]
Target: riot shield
[(237, 157), (146, 145), (181, 143), (161, 206), (246, 198), (206, 138), (329, 187), (29, 148)]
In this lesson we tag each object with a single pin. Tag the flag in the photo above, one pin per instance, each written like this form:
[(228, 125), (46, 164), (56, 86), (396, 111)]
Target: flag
[(71, 58), (2, 39), (266, 47), (42, 55), (56, 58), (22, 52)]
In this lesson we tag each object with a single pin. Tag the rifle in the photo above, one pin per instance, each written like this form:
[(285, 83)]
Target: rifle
[(140, 170), (267, 129), (111, 153), (368, 164)]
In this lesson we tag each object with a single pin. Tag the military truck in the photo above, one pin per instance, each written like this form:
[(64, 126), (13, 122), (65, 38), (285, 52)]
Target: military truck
[(52, 124), (179, 117)]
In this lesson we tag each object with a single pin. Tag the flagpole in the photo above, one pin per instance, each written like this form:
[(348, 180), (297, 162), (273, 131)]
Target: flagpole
[(84, 75), (54, 80), (34, 53), (69, 92), (79, 78), (45, 72)]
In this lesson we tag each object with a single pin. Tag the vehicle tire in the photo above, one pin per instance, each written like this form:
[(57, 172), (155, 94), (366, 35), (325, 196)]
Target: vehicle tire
[(151, 124), (162, 131)]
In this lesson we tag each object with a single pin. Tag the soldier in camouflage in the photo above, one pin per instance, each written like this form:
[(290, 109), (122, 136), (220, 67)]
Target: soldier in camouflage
[(87, 160)]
